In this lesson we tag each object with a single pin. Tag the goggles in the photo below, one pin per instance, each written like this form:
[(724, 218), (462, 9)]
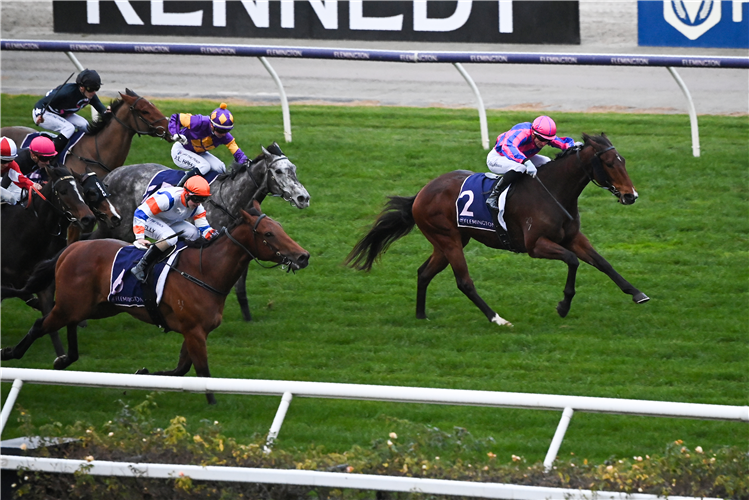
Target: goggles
[(92, 89), (197, 199), (45, 158), (542, 139)]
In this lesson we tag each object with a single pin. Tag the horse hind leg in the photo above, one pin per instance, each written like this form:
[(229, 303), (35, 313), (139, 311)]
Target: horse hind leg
[(65, 360), (435, 264), (183, 366), (46, 303), (37, 331)]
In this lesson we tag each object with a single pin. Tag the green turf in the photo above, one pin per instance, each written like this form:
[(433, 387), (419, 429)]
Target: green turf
[(684, 243)]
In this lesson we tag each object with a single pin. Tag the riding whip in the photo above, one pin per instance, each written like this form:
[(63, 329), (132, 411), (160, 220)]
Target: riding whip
[(46, 106), (555, 200)]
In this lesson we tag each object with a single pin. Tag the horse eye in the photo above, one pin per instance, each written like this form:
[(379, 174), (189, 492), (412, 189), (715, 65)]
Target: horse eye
[(268, 234)]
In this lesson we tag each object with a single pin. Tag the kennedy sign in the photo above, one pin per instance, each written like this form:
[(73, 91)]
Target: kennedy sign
[(694, 23), (484, 21)]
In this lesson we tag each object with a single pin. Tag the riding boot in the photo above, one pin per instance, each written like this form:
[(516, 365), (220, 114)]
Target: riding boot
[(149, 258), (60, 143), (190, 173), (492, 201)]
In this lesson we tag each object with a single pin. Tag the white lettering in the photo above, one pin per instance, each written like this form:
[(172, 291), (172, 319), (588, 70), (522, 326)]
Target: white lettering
[(14, 45), (487, 58), (161, 18), (452, 23), (127, 11), (505, 16), (701, 62), (427, 58), (219, 13), (258, 12), (160, 49), (87, 47), (287, 13), (641, 61), (351, 55), (737, 13), (357, 21), (327, 12), (558, 60), (408, 57), (218, 51), (284, 52)]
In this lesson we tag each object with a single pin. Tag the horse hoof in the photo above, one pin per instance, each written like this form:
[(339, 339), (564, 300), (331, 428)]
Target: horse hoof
[(211, 398), (142, 371), (640, 298), (61, 362), (563, 309), (6, 354), (500, 320)]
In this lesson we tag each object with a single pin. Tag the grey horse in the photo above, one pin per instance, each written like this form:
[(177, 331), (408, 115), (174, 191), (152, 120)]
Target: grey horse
[(271, 173)]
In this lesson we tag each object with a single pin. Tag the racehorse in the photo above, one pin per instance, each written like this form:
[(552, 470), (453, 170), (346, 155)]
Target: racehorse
[(536, 219), (271, 173), (192, 301), (36, 232)]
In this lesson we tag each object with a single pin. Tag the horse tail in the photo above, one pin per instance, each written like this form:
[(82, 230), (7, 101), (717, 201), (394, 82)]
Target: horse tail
[(395, 221), (41, 277)]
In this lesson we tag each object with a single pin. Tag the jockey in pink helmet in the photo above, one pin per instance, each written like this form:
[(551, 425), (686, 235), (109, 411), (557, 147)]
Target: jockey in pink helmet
[(195, 135), (14, 182), (516, 153)]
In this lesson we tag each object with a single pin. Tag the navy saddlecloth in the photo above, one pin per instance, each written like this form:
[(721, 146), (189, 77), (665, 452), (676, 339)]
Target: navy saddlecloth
[(61, 155), (471, 203), (124, 289), (171, 177)]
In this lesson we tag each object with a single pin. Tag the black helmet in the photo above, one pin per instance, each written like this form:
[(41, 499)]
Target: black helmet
[(89, 79)]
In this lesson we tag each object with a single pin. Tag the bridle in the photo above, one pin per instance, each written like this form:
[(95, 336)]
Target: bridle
[(153, 131), (597, 165), (91, 183), (63, 209)]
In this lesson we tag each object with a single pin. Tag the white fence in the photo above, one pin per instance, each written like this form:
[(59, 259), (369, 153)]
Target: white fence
[(288, 389)]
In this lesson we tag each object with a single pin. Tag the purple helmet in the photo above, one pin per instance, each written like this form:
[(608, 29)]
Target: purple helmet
[(544, 127), (222, 118)]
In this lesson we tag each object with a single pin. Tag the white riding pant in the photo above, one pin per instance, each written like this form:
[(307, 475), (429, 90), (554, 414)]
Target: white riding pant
[(160, 230), (64, 126), (205, 162), (501, 164), (11, 194)]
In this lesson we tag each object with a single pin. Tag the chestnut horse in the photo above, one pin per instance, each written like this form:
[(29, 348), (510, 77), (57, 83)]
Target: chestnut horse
[(192, 302), (543, 223)]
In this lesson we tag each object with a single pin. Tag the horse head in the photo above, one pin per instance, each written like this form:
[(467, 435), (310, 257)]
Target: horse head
[(69, 200), (608, 170), (281, 178), (145, 113), (96, 196), (269, 242)]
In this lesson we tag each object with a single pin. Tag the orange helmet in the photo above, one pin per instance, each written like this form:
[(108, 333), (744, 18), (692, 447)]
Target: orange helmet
[(198, 186)]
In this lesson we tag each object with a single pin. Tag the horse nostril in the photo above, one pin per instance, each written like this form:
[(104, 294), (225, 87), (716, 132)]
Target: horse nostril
[(629, 199), (303, 260), (302, 200)]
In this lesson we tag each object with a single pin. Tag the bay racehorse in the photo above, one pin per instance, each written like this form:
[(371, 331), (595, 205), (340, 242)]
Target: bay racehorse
[(34, 232), (271, 174), (536, 221), (193, 298)]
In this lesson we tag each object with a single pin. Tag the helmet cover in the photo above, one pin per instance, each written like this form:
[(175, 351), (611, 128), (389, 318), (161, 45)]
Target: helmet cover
[(8, 149), (42, 146), (222, 118), (545, 127), (198, 186)]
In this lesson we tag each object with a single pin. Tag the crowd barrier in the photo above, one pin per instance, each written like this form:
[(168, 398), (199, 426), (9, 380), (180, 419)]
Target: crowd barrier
[(407, 56), (289, 389)]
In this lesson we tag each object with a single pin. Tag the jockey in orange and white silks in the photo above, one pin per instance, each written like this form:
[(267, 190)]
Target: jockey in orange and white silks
[(163, 214), (516, 152), (195, 135)]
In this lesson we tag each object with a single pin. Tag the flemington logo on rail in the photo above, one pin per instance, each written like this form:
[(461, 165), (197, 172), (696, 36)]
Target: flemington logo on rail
[(22, 45), (155, 49), (221, 51), (694, 23), (86, 47), (641, 61), (558, 59), (346, 54), (471, 21)]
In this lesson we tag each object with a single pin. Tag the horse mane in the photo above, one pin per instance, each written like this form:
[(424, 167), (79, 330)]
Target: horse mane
[(104, 119), (601, 140)]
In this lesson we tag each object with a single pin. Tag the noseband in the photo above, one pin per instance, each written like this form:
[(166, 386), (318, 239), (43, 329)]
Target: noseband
[(152, 130), (285, 261), (91, 182)]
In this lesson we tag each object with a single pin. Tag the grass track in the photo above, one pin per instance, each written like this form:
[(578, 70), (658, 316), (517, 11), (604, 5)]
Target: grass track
[(684, 243)]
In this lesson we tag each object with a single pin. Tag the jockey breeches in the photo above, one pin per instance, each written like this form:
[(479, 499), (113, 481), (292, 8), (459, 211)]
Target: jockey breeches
[(501, 164), (11, 194), (187, 160), (159, 230), (64, 126)]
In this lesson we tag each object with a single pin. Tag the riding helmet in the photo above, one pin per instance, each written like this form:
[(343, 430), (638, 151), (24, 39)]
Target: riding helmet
[(42, 146), (8, 150), (89, 79), (222, 118), (198, 186), (545, 127)]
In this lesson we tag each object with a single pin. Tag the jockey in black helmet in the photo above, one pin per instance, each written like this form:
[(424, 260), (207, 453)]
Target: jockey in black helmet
[(57, 110)]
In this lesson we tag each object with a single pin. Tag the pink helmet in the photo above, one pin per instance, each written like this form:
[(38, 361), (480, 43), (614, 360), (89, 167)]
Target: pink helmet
[(544, 127), (42, 146), (8, 150)]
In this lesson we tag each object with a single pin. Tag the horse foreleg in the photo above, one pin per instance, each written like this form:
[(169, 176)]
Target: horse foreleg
[(547, 249), (183, 366), (240, 287), (195, 342), (583, 249), (65, 360)]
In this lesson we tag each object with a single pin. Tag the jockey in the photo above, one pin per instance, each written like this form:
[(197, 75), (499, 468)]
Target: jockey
[(57, 110), (34, 160), (163, 214), (516, 153), (195, 135), (13, 180)]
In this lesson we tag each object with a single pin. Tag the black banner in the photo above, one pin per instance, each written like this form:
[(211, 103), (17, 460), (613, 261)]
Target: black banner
[(483, 21)]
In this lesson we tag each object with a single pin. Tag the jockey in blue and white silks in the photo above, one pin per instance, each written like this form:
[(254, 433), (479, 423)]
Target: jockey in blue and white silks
[(516, 152), (164, 214)]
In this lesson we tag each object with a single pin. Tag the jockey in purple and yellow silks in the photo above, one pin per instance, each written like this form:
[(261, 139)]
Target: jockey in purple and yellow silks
[(195, 135), (516, 153), (163, 214)]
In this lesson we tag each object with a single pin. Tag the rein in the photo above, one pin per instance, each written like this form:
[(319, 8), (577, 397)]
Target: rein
[(64, 212), (597, 168)]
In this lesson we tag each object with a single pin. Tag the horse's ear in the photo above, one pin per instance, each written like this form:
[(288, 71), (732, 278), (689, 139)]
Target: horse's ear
[(131, 93), (244, 215), (586, 137), (256, 206), (265, 151)]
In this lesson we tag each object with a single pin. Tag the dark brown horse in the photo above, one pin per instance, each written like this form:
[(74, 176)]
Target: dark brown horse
[(36, 232), (192, 302), (536, 222)]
